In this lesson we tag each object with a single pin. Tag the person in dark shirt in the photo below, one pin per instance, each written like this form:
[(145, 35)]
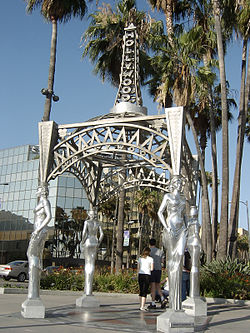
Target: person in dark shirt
[(155, 280), (186, 275)]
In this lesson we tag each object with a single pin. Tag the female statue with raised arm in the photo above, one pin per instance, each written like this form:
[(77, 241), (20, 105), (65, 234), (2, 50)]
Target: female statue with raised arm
[(91, 242), (36, 245), (174, 238)]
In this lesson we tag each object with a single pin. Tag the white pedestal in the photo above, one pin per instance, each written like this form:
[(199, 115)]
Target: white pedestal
[(87, 302), (195, 306), (33, 308), (175, 322)]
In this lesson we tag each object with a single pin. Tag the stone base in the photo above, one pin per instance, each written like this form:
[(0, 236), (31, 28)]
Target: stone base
[(195, 306), (33, 308), (175, 322), (87, 302)]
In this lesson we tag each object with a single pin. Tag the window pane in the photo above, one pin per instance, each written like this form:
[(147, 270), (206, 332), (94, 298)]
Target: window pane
[(61, 202), (62, 181)]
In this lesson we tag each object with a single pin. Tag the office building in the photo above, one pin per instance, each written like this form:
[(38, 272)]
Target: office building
[(19, 167)]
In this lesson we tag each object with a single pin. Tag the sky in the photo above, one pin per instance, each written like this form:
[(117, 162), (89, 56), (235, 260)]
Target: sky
[(24, 61)]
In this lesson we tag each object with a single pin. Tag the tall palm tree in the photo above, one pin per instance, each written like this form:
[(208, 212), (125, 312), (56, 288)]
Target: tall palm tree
[(242, 27), (55, 11), (223, 239), (178, 83)]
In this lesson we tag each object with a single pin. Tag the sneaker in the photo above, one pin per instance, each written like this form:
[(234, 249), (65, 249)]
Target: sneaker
[(164, 304), (152, 306), (143, 309)]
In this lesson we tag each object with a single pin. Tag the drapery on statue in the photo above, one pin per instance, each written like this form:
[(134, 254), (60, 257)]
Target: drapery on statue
[(36, 245), (91, 242), (174, 238)]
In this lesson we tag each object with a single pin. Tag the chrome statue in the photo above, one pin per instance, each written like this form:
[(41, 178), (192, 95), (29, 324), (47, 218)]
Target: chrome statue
[(36, 245), (90, 244), (174, 238), (194, 248)]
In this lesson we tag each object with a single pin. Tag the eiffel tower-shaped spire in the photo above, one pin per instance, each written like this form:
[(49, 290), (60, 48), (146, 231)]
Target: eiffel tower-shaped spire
[(128, 98)]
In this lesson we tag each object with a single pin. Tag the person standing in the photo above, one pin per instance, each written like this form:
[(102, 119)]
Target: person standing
[(186, 275), (155, 279), (145, 266)]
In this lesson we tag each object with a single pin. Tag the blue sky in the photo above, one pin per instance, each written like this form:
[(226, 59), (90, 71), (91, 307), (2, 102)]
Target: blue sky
[(24, 60)]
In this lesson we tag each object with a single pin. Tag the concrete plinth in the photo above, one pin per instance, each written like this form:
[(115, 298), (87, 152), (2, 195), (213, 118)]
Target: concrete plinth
[(33, 308), (175, 322), (195, 306), (87, 302)]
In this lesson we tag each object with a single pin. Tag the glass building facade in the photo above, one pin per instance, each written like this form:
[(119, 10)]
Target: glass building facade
[(19, 168)]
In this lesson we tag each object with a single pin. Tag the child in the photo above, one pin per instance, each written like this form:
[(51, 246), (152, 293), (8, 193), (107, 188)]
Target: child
[(145, 266)]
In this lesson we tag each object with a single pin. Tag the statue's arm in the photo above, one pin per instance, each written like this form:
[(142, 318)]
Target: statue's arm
[(161, 211), (101, 235), (38, 207), (84, 232), (46, 205)]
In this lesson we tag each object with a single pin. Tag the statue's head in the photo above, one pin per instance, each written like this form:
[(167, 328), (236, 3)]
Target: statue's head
[(193, 212), (43, 190), (92, 213), (176, 182)]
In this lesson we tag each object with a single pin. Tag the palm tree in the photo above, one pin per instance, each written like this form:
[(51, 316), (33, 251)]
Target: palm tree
[(55, 11), (180, 83), (242, 22), (223, 239)]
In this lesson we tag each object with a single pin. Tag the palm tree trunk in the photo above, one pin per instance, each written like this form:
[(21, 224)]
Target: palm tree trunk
[(214, 185), (214, 170), (223, 238), (244, 93), (141, 225), (52, 65), (205, 197), (169, 21), (120, 225)]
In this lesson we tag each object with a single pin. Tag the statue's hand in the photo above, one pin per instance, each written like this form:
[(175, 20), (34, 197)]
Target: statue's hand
[(35, 233)]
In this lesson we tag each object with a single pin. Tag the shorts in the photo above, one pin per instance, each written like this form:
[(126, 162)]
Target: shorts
[(144, 281), (155, 276)]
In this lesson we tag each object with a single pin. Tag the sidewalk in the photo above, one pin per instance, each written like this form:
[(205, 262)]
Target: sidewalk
[(117, 313)]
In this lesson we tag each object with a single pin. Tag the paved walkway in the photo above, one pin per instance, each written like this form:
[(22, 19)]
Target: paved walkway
[(117, 313)]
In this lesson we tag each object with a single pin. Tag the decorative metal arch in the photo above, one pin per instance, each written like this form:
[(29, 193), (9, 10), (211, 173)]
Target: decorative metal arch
[(91, 149), (87, 149), (136, 177)]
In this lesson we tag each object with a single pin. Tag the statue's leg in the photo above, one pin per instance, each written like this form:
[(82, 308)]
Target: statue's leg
[(34, 277), (89, 272)]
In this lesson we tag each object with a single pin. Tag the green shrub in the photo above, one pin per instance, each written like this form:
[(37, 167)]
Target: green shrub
[(225, 279), (220, 279), (125, 282)]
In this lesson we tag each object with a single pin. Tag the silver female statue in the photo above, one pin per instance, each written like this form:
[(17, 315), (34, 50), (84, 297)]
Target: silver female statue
[(36, 245), (194, 248), (91, 242), (174, 238)]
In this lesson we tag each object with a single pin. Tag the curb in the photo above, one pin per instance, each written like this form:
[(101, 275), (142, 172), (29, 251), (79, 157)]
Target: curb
[(4, 290), (227, 301)]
